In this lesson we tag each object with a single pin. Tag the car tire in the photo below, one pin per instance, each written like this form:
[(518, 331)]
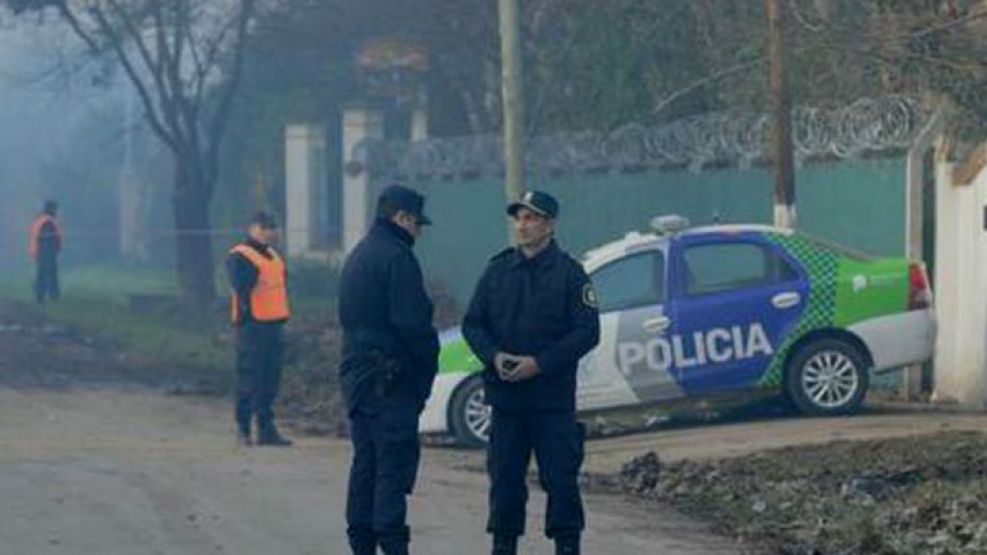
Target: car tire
[(827, 377), (470, 415)]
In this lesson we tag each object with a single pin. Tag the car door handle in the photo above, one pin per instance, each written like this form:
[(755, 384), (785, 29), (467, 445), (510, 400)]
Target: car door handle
[(786, 300), (656, 325)]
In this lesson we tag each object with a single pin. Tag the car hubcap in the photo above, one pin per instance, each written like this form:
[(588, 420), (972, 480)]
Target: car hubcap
[(830, 379), (478, 414)]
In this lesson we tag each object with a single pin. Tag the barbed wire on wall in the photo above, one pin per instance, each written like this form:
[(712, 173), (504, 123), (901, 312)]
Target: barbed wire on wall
[(869, 125)]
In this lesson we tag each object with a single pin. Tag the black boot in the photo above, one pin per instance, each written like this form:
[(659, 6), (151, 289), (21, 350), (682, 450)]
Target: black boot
[(567, 545), (394, 547), (362, 542), (268, 435), (360, 549), (505, 545), (243, 439)]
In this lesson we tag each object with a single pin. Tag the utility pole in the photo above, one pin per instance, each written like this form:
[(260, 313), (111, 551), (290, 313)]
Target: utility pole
[(129, 190), (781, 104), (513, 99)]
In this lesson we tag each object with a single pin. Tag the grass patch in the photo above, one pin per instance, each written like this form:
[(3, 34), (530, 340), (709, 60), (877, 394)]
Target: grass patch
[(154, 335), (98, 302), (95, 302)]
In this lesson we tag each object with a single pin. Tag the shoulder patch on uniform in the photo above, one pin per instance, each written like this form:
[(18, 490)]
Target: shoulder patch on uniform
[(589, 296)]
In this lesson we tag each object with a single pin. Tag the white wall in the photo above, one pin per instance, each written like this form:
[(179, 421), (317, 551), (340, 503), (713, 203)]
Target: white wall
[(305, 188), (360, 123), (961, 289)]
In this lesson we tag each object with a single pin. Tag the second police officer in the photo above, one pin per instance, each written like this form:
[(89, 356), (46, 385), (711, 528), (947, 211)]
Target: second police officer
[(532, 317), (390, 357)]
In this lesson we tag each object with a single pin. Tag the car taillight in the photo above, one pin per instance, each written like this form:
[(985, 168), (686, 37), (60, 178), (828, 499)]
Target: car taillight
[(919, 293)]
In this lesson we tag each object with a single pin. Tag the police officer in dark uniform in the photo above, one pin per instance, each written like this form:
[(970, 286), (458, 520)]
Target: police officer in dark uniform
[(531, 319), (259, 308), (390, 358)]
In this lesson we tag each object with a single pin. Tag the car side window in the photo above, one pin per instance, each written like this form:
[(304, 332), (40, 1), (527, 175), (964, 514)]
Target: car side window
[(637, 280), (723, 267)]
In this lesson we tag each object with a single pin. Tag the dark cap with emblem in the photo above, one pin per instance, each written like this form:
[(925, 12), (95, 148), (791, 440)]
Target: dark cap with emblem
[(263, 219), (539, 202), (399, 198)]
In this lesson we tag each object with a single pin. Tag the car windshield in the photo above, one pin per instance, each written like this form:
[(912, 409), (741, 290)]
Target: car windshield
[(841, 249)]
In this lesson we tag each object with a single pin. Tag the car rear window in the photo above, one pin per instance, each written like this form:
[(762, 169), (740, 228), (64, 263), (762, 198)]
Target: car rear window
[(722, 267)]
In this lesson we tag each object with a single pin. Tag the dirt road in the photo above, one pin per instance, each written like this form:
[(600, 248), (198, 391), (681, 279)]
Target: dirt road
[(92, 467), (117, 472)]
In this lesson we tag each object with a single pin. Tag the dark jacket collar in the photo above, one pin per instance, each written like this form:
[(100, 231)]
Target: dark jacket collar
[(389, 228), (544, 258), (258, 246)]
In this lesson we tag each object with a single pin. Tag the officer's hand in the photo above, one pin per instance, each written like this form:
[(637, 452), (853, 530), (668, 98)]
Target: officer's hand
[(506, 364), (527, 369)]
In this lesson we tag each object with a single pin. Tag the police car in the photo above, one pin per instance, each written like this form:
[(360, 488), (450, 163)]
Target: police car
[(701, 312)]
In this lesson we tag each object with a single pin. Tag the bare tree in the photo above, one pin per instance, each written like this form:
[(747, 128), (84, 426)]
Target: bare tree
[(184, 58)]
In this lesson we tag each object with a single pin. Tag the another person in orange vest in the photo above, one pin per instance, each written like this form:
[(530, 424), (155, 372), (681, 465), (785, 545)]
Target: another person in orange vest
[(45, 242), (259, 303)]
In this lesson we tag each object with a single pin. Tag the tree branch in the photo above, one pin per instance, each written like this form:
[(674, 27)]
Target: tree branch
[(76, 25), (165, 102), (217, 127), (116, 43), (172, 61), (739, 68), (213, 49)]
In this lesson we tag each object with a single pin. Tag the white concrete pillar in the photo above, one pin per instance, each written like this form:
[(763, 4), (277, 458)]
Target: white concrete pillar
[(914, 224), (360, 123), (961, 289), (419, 124), (305, 188)]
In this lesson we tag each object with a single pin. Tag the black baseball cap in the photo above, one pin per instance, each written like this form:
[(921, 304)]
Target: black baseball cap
[(264, 219), (539, 202), (398, 197)]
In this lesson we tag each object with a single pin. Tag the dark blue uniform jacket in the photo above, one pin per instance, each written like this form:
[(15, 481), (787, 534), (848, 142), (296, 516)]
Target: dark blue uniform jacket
[(384, 308), (543, 307)]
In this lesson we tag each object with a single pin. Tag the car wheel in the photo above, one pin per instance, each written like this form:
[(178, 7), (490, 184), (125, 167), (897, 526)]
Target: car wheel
[(827, 377), (471, 416)]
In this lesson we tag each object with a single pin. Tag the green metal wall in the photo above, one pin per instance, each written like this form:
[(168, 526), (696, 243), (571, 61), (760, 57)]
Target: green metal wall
[(857, 203)]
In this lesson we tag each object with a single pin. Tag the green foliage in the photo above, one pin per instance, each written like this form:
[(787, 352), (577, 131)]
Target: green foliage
[(117, 282), (96, 303), (157, 335)]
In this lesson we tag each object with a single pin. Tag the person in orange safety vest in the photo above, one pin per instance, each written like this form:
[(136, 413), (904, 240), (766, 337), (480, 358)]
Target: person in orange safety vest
[(44, 244), (259, 308)]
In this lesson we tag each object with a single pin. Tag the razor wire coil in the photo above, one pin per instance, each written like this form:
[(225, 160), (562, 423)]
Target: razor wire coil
[(868, 125)]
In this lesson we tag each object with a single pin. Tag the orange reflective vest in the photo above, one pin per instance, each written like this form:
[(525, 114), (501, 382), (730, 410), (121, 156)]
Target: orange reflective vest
[(34, 234), (269, 297)]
